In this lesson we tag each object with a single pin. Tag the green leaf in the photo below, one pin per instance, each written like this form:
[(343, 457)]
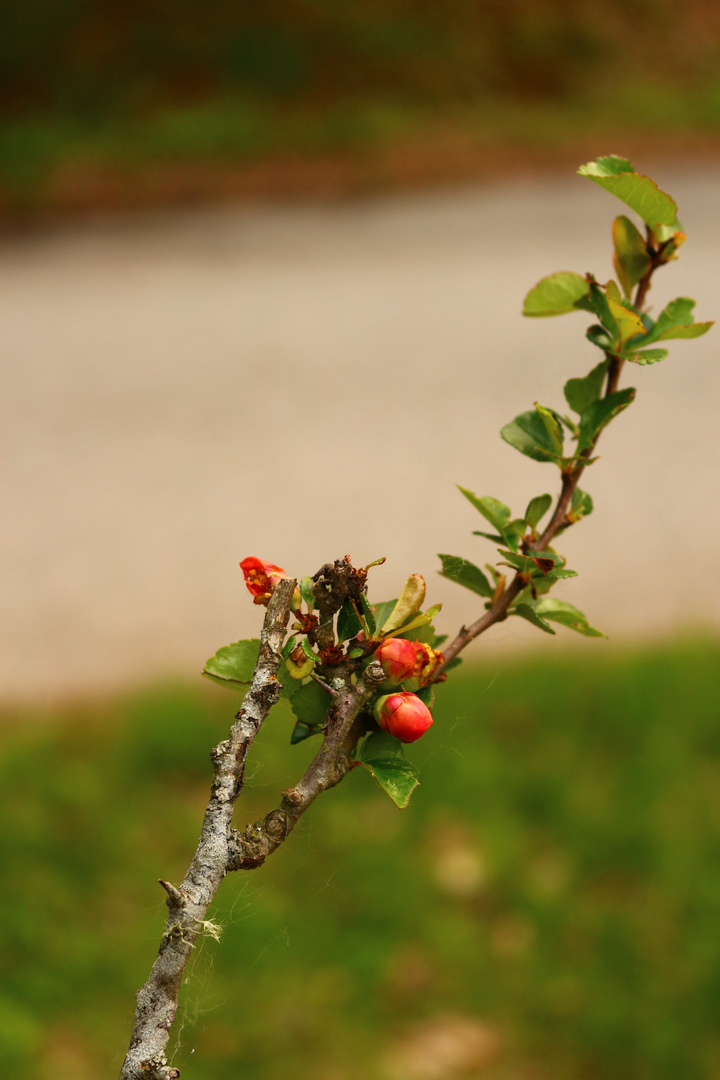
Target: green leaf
[(234, 665), (632, 261), (465, 573), (537, 509), (600, 306), (599, 336), (581, 393), (497, 513), (496, 539), (288, 647), (384, 756), (355, 653), (306, 591), (566, 614), (383, 611), (639, 192), (528, 613), (600, 413), (310, 704), (348, 624), (556, 295), (554, 428), (528, 434), (368, 615), (628, 322), (649, 356), (301, 732), (676, 321), (581, 505)]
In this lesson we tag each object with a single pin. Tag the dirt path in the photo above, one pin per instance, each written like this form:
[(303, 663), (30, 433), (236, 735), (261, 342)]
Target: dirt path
[(185, 389)]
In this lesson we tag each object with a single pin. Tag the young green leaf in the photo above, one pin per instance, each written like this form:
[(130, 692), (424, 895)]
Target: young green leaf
[(556, 295), (408, 603), (384, 756), (497, 513), (301, 732), (306, 591), (600, 306), (234, 665), (382, 611), (562, 612), (599, 336), (367, 614), (465, 573), (554, 429), (580, 506), (639, 192), (310, 704), (600, 413), (581, 393), (528, 613), (628, 322), (631, 259), (528, 434), (537, 509)]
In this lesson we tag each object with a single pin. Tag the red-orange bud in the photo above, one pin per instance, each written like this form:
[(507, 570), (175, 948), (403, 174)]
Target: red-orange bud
[(403, 715), (398, 658)]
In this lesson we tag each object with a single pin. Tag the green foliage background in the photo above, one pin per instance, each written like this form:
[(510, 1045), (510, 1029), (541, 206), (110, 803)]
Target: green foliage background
[(100, 83), (585, 789)]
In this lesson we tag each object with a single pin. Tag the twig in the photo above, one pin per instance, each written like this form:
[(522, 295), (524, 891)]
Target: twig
[(498, 611)]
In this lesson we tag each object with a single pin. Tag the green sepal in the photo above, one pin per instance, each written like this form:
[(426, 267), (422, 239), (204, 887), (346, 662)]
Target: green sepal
[(348, 624), (566, 614), (648, 356), (600, 413), (528, 613), (537, 509), (632, 261), (465, 573), (384, 756), (306, 591), (639, 192), (556, 294), (581, 393), (310, 704), (234, 665)]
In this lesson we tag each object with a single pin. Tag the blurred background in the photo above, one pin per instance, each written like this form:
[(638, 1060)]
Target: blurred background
[(261, 273)]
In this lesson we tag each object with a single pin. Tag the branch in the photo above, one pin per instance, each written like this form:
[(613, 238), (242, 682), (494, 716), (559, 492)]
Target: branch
[(498, 611), (187, 905)]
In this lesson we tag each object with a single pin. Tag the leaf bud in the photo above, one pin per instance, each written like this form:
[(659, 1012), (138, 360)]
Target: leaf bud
[(403, 715), (409, 602)]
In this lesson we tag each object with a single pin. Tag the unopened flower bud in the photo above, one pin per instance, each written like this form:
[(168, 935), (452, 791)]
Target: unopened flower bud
[(403, 715), (398, 658)]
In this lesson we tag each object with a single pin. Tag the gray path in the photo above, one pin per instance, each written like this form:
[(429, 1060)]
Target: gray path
[(185, 389)]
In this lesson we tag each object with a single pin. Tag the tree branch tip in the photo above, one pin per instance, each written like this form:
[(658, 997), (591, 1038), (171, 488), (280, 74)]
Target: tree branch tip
[(173, 894)]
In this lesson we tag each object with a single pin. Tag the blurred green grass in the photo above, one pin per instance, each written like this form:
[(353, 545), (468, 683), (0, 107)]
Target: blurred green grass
[(556, 876)]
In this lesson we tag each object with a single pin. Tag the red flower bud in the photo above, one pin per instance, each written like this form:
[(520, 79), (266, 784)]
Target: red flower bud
[(261, 578), (403, 715), (398, 658)]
